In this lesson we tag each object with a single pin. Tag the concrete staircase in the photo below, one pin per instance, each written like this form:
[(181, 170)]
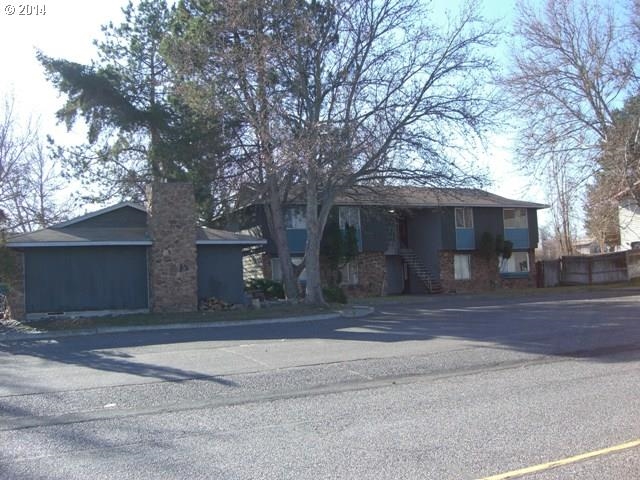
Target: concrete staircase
[(432, 284)]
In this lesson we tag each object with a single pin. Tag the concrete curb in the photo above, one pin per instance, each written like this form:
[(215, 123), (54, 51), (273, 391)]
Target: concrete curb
[(353, 312)]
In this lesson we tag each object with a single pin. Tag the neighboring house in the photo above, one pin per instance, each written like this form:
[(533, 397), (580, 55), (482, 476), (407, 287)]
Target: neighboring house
[(412, 239), (124, 258), (629, 221), (590, 246)]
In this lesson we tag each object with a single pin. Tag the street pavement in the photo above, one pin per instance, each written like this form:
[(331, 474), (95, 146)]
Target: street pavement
[(447, 387)]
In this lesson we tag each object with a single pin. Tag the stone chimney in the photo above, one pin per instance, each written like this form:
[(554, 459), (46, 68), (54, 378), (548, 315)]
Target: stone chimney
[(173, 268)]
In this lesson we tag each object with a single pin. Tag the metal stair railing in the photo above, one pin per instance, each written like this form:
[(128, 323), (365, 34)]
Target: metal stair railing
[(421, 271)]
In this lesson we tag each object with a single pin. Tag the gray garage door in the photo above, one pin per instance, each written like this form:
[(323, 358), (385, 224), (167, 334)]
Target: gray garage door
[(71, 279), (220, 272)]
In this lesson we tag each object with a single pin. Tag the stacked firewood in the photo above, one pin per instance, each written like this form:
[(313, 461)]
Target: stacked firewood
[(211, 304)]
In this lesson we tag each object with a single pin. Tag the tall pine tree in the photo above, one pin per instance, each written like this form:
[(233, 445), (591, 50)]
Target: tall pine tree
[(137, 129)]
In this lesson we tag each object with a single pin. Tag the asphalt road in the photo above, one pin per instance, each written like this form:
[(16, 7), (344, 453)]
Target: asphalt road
[(448, 388)]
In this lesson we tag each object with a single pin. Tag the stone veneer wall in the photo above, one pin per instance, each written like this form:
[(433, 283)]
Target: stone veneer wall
[(173, 274), (371, 275), (484, 275), (16, 296)]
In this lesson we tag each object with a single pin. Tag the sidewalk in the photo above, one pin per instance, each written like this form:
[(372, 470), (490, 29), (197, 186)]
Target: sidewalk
[(12, 330)]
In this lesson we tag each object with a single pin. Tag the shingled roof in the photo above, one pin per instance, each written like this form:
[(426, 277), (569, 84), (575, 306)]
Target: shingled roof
[(76, 232), (393, 196), (416, 197), (60, 237)]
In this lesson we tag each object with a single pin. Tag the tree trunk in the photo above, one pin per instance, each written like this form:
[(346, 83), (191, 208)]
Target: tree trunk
[(312, 263), (312, 256), (316, 220), (275, 218), (312, 247)]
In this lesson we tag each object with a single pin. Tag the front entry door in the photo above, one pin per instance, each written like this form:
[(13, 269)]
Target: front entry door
[(403, 238), (403, 232)]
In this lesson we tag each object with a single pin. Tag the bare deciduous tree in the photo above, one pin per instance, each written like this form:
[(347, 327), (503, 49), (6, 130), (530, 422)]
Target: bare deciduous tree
[(14, 149), (36, 201), (562, 189), (601, 211), (29, 179), (338, 94), (571, 67)]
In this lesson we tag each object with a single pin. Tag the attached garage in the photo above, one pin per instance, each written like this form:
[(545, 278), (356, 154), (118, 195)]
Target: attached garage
[(97, 263), (74, 279), (102, 263)]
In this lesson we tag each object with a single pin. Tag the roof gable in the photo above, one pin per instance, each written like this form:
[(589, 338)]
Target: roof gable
[(122, 215), (122, 224)]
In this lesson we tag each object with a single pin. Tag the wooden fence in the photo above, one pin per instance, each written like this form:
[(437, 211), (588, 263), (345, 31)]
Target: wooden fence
[(589, 270)]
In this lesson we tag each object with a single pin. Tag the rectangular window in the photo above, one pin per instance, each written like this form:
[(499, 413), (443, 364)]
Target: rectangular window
[(349, 273), (515, 218), (349, 216), (518, 262), (464, 217), (462, 267), (295, 219), (276, 271)]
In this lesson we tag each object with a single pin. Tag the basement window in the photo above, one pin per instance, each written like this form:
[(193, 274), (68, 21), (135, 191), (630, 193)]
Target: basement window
[(462, 267), (349, 273), (276, 270), (516, 264)]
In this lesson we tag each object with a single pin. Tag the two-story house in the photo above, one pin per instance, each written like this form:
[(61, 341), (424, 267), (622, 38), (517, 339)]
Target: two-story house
[(413, 239)]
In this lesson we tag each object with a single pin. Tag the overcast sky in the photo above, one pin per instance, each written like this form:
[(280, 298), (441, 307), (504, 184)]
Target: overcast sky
[(67, 28)]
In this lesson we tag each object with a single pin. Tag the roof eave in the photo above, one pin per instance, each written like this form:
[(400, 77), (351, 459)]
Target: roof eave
[(79, 244), (231, 242)]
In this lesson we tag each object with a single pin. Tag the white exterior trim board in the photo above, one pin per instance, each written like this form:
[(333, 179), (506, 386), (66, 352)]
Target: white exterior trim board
[(78, 244)]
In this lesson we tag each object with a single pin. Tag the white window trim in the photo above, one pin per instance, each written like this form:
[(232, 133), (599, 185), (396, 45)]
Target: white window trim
[(343, 220), (526, 218), (503, 263), (276, 271), (467, 214), (457, 274), (295, 219), (349, 273)]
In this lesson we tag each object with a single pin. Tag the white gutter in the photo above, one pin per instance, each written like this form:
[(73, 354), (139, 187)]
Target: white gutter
[(78, 244), (231, 242), (125, 243)]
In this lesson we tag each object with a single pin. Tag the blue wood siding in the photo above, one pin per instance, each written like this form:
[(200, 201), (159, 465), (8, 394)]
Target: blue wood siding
[(532, 216), (297, 239), (125, 217), (487, 220), (448, 228), (425, 239), (74, 279), (519, 237), (394, 279), (220, 272), (378, 228), (465, 239)]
